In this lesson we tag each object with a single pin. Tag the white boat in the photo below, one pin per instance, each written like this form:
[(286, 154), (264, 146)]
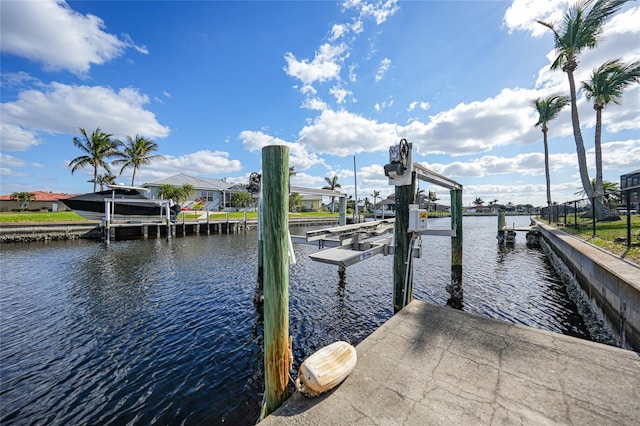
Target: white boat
[(128, 203)]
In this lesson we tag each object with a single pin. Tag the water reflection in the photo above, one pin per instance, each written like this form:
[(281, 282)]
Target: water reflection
[(166, 331)]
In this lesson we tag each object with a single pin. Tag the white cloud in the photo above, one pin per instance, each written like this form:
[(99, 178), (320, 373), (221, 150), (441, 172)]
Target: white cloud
[(200, 163), (344, 133), (337, 31), (619, 154), (300, 156), (379, 10), (379, 106), (11, 163), (59, 108), (383, 68), (415, 104), (505, 119), (471, 128), (523, 14), (339, 93), (352, 73), (528, 164), (52, 33), (16, 138), (324, 66), (314, 104)]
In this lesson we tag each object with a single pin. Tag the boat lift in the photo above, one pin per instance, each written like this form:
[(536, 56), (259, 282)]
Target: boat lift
[(351, 244), (109, 207)]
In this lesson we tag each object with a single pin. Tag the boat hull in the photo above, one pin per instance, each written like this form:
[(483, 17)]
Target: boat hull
[(130, 205)]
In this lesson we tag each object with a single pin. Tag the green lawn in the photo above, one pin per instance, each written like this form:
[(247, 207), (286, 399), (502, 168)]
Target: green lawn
[(6, 217), (606, 233)]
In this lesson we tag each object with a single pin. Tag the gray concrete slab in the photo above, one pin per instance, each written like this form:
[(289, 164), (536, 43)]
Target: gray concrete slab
[(431, 365)]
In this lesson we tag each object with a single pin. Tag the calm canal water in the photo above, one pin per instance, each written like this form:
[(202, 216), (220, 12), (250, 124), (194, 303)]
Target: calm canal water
[(166, 331)]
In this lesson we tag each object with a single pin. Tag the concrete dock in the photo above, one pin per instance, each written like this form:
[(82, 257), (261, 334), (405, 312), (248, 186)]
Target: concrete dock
[(431, 365)]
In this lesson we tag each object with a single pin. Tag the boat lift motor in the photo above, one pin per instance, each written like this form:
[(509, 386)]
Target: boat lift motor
[(400, 167)]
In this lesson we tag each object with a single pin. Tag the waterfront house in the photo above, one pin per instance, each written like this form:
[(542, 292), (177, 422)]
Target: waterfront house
[(43, 201), (215, 194), (480, 209), (386, 206), (631, 180), (311, 202)]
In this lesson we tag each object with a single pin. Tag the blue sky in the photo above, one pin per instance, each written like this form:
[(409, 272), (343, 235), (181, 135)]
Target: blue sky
[(213, 82)]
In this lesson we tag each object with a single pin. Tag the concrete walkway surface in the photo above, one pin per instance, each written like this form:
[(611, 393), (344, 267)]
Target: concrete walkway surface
[(432, 365)]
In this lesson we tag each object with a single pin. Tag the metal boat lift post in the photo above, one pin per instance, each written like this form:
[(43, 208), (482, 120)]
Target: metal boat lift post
[(403, 173)]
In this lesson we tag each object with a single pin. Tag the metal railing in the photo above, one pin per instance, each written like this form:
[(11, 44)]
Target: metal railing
[(621, 205)]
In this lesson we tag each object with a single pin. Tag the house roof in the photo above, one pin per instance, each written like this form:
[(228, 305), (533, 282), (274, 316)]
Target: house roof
[(42, 196), (197, 182), (635, 172)]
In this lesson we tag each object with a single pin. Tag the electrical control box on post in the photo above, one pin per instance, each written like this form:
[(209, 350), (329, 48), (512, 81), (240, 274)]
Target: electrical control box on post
[(417, 219)]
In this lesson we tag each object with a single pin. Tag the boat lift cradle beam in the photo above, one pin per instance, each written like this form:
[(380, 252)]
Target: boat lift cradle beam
[(108, 202), (422, 173)]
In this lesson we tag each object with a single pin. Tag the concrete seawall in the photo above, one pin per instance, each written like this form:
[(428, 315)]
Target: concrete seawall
[(611, 283), (49, 231), (30, 232)]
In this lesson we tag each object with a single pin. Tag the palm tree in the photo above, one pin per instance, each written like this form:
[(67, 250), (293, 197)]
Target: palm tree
[(606, 84), (375, 194), (295, 201), (97, 148), (367, 204), (478, 201), (102, 180), (292, 171), (548, 108), (24, 198), (332, 184), (178, 194), (580, 29), (136, 153)]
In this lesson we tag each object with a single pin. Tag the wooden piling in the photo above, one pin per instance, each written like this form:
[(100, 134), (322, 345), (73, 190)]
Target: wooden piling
[(405, 195), (342, 211), (455, 288), (501, 224), (277, 354)]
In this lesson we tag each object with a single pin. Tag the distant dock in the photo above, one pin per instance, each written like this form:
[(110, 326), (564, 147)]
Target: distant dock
[(51, 231), (435, 365)]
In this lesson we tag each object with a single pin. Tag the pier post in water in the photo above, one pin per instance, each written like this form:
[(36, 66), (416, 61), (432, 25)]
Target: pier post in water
[(455, 288), (277, 353), (501, 224), (405, 195)]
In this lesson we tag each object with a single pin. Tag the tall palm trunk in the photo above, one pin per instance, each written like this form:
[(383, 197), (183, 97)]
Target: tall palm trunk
[(600, 210), (546, 171), (599, 186), (95, 177), (577, 136)]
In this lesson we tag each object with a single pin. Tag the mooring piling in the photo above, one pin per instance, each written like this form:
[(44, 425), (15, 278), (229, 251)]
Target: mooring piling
[(402, 290), (275, 227), (456, 299)]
